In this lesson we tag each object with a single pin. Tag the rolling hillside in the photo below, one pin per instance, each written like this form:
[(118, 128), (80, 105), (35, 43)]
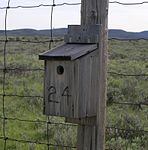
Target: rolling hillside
[(113, 33)]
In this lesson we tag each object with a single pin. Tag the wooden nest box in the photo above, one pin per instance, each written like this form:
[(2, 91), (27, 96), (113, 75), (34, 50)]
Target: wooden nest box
[(71, 74)]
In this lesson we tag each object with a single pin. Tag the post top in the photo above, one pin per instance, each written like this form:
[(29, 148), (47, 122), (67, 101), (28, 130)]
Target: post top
[(82, 34), (68, 52)]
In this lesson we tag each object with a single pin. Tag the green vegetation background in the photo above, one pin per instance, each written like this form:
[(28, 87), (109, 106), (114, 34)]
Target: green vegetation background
[(128, 57)]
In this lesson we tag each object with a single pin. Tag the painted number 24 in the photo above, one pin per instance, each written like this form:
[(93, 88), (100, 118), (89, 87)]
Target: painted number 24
[(52, 91)]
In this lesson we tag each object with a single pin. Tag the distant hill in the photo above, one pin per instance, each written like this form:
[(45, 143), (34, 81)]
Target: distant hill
[(127, 35), (32, 32), (113, 33)]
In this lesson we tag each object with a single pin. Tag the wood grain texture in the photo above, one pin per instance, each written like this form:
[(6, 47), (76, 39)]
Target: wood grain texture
[(58, 89), (82, 34), (69, 94), (89, 121), (80, 137), (102, 57), (86, 138), (96, 12), (68, 52)]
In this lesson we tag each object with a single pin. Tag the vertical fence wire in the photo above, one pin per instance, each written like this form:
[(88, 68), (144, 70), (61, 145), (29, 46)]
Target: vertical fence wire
[(51, 24), (48, 132), (50, 46), (4, 76)]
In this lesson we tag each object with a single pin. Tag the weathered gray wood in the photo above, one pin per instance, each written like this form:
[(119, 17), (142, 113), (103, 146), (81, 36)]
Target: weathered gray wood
[(68, 94), (68, 52), (82, 34), (87, 107), (89, 121), (82, 86), (93, 147), (102, 57), (96, 12), (58, 100), (76, 89), (80, 137), (86, 137)]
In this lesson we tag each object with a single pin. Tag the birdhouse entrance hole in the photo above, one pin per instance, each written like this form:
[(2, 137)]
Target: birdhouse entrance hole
[(60, 70)]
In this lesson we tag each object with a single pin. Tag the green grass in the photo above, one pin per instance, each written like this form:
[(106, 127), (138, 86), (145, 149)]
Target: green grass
[(128, 57)]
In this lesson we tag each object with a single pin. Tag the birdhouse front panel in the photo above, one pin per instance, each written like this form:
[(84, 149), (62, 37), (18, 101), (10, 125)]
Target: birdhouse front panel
[(59, 87)]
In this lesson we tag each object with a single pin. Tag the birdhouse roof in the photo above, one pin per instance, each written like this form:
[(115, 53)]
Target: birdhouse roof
[(68, 52)]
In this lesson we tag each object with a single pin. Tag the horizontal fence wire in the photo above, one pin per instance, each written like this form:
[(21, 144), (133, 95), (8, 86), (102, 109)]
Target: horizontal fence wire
[(39, 121), (36, 42), (129, 103), (7, 70), (67, 124), (41, 5), (121, 3), (128, 39), (117, 131), (48, 122), (25, 96), (41, 97), (126, 74), (70, 4), (61, 40)]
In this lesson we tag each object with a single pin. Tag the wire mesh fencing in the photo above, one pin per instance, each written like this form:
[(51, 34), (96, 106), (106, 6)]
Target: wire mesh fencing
[(23, 126)]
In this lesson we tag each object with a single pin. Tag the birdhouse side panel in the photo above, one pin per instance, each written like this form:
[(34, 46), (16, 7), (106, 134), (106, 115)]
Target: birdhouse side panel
[(85, 86), (94, 86)]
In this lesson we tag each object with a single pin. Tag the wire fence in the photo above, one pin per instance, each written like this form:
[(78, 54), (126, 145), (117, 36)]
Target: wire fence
[(62, 4), (54, 129)]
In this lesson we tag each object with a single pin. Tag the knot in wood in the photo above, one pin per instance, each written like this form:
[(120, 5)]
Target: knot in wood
[(93, 14), (92, 18)]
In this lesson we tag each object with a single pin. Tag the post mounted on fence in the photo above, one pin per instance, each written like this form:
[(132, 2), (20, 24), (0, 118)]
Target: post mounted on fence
[(75, 76), (96, 12)]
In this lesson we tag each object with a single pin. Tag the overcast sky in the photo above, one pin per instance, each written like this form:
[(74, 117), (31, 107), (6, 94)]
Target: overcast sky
[(129, 18)]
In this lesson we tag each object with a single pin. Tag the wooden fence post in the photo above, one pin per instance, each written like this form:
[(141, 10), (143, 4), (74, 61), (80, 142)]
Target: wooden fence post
[(93, 137)]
